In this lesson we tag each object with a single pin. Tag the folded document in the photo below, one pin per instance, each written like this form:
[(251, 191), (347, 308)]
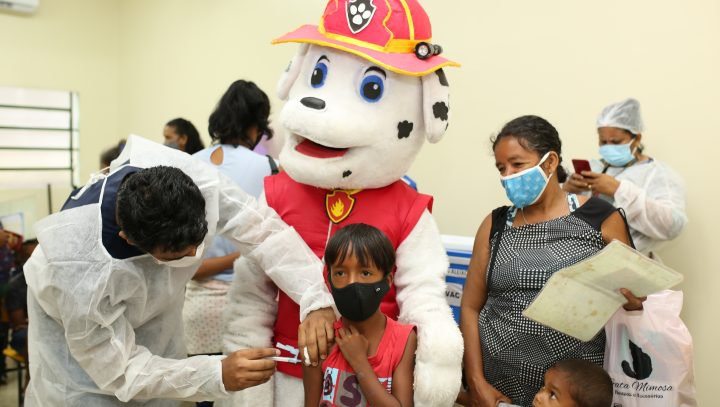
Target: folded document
[(580, 299)]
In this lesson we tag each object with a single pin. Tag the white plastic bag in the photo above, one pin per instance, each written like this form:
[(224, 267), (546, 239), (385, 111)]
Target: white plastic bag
[(649, 355)]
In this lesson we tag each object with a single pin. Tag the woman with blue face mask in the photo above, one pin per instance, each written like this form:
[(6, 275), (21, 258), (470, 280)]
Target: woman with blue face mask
[(517, 249), (652, 194), (182, 135)]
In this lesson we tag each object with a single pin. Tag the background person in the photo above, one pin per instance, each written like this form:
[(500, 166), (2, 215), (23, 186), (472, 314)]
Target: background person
[(16, 303), (236, 126), (8, 244), (110, 154), (651, 193), (182, 135)]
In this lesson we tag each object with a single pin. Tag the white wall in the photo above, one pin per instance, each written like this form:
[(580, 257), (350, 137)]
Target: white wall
[(141, 63)]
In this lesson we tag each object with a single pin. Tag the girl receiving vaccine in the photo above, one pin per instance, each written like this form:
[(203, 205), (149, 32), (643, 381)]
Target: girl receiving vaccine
[(373, 360)]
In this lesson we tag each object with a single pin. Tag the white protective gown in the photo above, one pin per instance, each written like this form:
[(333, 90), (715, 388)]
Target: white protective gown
[(106, 331), (653, 197)]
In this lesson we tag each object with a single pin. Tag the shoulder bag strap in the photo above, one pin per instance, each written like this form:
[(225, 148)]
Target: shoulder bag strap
[(499, 221), (273, 167)]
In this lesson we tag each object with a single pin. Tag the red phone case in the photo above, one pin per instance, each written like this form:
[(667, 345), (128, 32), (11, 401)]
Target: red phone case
[(581, 165)]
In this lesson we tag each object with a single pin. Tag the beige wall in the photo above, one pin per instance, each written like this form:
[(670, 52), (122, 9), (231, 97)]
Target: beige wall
[(139, 63), (178, 58), (67, 45)]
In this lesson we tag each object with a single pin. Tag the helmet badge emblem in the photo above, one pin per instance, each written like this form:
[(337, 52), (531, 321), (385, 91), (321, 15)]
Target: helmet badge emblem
[(359, 14)]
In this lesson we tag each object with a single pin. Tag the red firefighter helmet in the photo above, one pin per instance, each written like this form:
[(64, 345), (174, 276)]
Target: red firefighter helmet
[(394, 34)]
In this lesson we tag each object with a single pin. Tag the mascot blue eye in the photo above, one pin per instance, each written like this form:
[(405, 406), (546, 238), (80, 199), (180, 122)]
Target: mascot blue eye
[(319, 74), (372, 88)]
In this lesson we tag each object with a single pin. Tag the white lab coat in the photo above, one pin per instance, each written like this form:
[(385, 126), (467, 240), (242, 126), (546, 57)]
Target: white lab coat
[(106, 331), (653, 198)]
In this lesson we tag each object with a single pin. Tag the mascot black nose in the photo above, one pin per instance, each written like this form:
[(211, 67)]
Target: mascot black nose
[(313, 103)]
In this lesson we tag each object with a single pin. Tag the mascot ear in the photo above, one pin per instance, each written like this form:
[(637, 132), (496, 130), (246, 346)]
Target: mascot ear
[(436, 105), (288, 78)]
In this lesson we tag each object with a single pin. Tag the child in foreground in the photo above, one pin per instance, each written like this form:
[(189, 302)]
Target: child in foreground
[(575, 383), (569, 383), (373, 360)]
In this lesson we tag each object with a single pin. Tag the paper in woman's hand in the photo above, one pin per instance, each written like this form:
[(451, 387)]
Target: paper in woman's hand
[(580, 299)]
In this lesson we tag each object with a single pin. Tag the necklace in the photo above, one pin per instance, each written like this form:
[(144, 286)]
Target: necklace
[(522, 212)]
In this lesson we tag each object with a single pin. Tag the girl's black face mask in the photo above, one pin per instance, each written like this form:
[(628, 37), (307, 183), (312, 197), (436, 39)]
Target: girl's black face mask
[(359, 301)]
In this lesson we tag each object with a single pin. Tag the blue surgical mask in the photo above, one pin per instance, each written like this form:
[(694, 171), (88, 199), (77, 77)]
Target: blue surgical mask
[(525, 187), (617, 155), (172, 144)]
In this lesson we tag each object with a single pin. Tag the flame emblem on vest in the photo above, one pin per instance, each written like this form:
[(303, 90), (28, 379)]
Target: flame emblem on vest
[(339, 204), (359, 14)]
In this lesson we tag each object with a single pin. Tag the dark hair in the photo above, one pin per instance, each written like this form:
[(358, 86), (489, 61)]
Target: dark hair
[(640, 146), (243, 106), (29, 242), (632, 135), (186, 128), (535, 134), (161, 208), (590, 385), (367, 243), (112, 153)]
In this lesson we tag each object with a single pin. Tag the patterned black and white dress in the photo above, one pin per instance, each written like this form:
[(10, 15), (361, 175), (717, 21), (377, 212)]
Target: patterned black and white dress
[(517, 351)]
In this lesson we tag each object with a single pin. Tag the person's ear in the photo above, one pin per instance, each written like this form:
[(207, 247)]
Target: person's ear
[(182, 141), (637, 141), (389, 278), (124, 237), (551, 163)]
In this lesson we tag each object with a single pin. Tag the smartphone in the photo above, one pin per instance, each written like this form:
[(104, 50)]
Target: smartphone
[(581, 165)]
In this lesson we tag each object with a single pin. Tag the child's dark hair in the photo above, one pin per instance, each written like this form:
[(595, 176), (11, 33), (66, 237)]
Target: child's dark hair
[(186, 128), (243, 106), (535, 134), (367, 243), (590, 385), (161, 208)]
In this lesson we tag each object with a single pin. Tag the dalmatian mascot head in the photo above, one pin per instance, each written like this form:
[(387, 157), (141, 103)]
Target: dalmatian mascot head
[(363, 93)]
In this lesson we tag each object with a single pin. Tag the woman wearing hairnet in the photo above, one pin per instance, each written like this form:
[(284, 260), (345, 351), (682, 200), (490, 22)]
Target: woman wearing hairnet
[(106, 285), (652, 194)]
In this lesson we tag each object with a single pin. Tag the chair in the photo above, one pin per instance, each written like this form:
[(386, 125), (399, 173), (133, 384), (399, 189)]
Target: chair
[(20, 366)]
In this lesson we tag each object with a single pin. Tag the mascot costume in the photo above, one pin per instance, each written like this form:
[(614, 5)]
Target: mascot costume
[(364, 91)]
